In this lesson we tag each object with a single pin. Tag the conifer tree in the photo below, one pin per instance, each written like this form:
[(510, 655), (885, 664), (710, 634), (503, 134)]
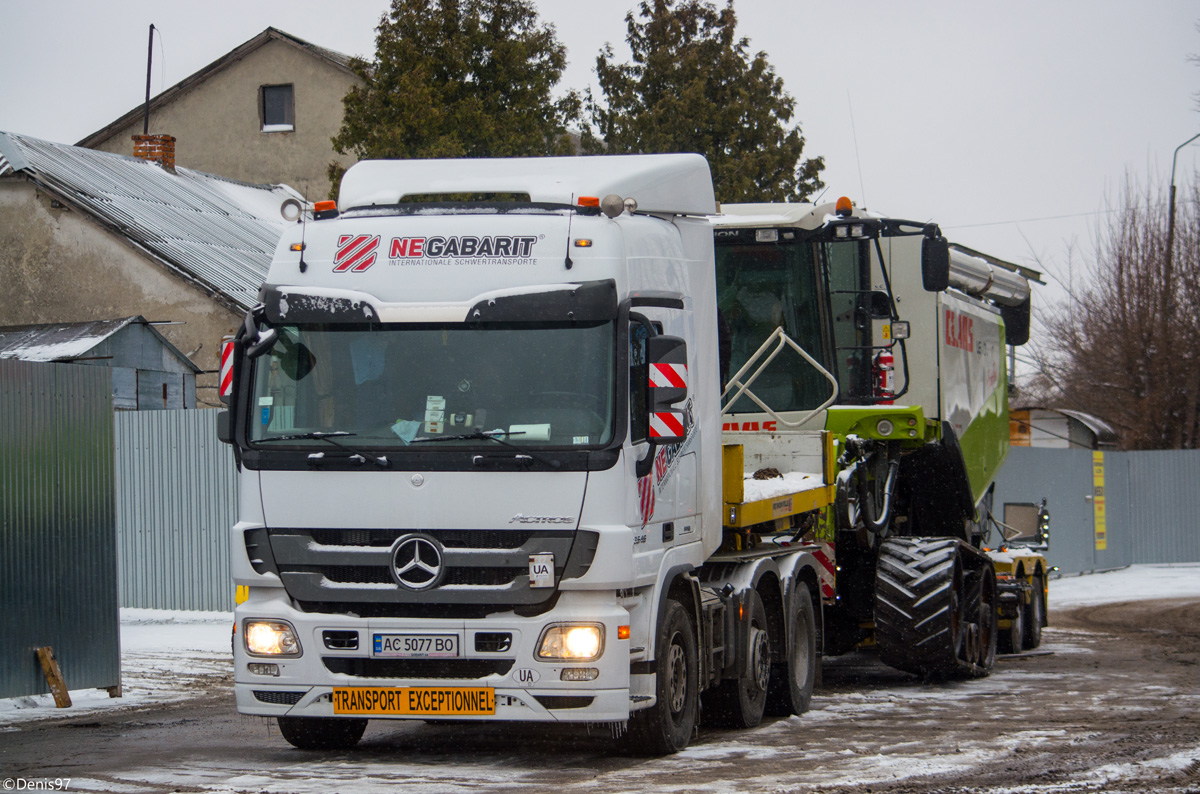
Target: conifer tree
[(693, 86), (458, 78)]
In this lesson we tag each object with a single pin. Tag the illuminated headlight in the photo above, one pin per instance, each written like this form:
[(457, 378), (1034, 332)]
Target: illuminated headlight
[(572, 642), (270, 638), (885, 427)]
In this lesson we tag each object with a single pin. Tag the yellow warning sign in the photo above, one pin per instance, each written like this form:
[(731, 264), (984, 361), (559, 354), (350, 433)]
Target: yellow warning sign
[(1098, 513)]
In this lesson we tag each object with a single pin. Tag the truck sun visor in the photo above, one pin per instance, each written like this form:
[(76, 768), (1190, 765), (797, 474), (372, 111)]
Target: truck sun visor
[(587, 301)]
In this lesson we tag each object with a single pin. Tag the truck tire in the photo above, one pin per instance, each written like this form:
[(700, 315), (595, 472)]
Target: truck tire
[(792, 682), (1035, 614), (740, 702), (934, 616), (322, 733), (666, 727)]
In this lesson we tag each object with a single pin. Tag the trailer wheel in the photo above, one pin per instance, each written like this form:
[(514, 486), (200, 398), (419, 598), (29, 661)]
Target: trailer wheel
[(1035, 613), (1012, 640), (322, 733), (667, 726), (740, 702), (792, 682)]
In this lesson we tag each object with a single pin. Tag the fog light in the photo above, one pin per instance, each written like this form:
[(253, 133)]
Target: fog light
[(263, 668), (271, 638), (580, 674), (885, 427), (574, 642)]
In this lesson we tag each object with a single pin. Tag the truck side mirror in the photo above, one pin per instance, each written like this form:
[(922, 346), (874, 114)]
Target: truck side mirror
[(224, 427), (1016, 322), (935, 263), (667, 357)]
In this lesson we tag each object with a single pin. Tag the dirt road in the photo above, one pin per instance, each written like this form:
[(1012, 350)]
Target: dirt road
[(1113, 708)]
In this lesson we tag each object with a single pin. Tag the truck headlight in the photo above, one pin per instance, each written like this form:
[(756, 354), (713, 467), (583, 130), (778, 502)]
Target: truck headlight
[(270, 638), (572, 642)]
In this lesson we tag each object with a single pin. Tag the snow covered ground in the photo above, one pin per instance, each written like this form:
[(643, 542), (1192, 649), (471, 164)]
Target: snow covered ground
[(166, 655)]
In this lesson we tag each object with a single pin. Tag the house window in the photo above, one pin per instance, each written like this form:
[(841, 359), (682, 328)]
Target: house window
[(278, 110)]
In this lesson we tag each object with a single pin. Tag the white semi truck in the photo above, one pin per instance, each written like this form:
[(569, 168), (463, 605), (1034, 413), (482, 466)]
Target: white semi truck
[(478, 420)]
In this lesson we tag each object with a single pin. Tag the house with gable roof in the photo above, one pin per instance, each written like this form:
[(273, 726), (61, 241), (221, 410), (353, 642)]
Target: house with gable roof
[(91, 236), (262, 113)]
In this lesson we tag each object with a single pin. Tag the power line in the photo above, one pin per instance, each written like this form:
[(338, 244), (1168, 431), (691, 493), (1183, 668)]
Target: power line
[(1034, 220)]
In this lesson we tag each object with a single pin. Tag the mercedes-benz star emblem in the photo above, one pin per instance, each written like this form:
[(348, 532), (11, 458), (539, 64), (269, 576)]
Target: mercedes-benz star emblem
[(417, 562)]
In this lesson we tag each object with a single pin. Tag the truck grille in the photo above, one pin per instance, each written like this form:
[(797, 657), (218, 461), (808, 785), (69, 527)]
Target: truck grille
[(460, 669), (350, 570)]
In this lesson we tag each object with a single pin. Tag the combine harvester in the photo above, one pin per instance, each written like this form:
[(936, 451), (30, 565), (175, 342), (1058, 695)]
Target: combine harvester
[(875, 335)]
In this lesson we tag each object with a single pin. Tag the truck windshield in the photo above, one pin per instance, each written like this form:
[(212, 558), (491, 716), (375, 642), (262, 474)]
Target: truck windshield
[(549, 385), (761, 288)]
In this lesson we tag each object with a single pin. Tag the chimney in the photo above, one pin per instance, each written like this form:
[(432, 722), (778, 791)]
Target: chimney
[(155, 148)]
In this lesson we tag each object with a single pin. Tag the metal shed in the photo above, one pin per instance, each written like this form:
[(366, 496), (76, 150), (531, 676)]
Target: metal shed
[(148, 372)]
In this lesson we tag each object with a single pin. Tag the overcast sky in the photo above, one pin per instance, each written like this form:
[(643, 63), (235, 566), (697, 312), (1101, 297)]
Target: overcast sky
[(1011, 124)]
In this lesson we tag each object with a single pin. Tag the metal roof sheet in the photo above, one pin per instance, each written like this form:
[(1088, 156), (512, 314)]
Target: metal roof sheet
[(215, 232), (66, 342)]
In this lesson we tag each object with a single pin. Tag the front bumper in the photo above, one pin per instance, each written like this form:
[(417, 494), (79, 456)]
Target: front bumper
[(525, 688)]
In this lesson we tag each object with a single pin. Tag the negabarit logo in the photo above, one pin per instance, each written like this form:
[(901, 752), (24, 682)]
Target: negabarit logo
[(355, 253)]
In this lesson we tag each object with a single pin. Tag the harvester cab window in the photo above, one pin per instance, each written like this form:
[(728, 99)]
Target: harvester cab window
[(762, 287), (846, 267)]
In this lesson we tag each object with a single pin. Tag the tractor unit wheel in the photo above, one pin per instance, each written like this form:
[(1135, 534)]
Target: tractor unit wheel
[(322, 733), (666, 727), (792, 680), (741, 702)]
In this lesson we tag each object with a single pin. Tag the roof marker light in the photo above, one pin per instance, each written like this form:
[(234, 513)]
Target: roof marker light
[(589, 201)]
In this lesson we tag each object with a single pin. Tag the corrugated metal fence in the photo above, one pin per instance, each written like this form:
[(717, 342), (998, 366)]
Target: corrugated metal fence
[(176, 501), (58, 572), (1150, 516)]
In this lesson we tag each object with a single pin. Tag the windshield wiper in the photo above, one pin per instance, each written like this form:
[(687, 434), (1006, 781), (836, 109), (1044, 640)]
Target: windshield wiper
[(320, 435), (493, 435)]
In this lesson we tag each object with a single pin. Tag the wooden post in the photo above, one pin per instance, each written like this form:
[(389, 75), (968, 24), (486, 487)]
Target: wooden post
[(58, 687)]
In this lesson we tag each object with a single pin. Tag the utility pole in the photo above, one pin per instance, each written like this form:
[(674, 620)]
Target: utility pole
[(150, 58)]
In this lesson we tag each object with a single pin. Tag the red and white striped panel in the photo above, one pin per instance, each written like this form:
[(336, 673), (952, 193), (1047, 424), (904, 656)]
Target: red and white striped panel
[(668, 375), (666, 424), (226, 367), (828, 571), (355, 253), (645, 499)]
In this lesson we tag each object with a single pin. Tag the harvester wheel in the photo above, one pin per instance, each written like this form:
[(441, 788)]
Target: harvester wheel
[(792, 681), (740, 702), (935, 615)]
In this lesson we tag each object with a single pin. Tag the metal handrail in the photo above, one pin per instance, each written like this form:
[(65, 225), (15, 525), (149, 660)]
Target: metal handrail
[(779, 339)]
